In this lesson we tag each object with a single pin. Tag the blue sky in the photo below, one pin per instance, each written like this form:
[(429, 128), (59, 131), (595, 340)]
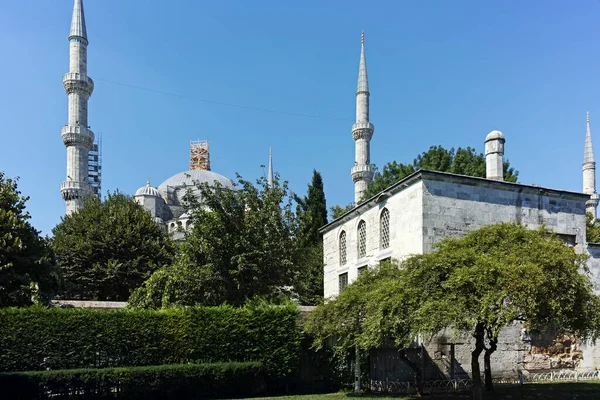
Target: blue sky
[(440, 72)]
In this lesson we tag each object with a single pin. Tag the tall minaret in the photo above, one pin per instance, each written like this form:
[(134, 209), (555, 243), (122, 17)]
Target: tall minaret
[(362, 131), (270, 171), (589, 171), (76, 136)]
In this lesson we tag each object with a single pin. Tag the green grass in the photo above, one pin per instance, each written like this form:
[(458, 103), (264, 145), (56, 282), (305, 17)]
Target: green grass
[(589, 390)]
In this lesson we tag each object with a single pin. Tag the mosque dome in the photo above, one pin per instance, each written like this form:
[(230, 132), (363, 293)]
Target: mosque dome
[(494, 135), (176, 186), (147, 191)]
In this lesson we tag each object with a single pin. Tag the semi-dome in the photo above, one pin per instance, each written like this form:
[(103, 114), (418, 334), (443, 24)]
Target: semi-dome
[(176, 186), (147, 191), (494, 135)]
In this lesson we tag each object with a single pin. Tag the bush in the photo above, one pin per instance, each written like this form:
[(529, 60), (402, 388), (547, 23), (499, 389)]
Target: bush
[(38, 339), (188, 381)]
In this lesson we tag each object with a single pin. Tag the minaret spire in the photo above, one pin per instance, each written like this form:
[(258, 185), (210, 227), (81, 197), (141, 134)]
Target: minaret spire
[(76, 135), (270, 171), (78, 22), (589, 171), (362, 131)]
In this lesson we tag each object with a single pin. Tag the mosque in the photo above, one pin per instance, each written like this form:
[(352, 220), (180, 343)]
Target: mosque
[(407, 218), (166, 202)]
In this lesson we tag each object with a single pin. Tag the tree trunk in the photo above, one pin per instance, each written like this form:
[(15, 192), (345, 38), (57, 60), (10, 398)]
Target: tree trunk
[(487, 367), (475, 371), (356, 370), (417, 372)]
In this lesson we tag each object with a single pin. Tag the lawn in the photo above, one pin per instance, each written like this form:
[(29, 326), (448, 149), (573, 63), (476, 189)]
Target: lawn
[(552, 391)]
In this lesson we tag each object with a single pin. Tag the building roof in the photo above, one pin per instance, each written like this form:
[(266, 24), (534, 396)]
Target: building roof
[(181, 182), (454, 178), (78, 22), (494, 135), (147, 190), (363, 82), (588, 152)]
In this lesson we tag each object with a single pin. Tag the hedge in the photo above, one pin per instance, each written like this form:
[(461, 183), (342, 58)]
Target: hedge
[(37, 338), (185, 381)]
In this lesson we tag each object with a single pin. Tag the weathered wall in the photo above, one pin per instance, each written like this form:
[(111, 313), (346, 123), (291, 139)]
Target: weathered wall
[(454, 206)]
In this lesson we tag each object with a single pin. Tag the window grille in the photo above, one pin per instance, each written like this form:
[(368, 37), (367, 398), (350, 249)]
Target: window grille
[(361, 270), (343, 281), (384, 229), (362, 239), (343, 248)]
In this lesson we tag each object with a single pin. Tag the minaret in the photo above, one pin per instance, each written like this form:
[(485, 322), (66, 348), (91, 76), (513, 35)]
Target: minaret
[(362, 132), (75, 135), (270, 171), (589, 171)]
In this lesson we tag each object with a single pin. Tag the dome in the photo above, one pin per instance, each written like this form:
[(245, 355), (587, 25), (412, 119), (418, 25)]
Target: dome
[(147, 191), (494, 135), (178, 184)]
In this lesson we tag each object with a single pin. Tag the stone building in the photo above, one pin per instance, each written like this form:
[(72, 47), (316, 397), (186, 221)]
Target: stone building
[(413, 214), (165, 203)]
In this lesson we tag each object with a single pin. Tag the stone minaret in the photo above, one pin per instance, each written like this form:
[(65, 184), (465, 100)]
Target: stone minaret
[(589, 171), (270, 172), (494, 153), (362, 132), (75, 135)]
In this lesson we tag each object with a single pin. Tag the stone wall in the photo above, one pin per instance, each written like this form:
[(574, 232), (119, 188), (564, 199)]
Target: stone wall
[(454, 206), (406, 213)]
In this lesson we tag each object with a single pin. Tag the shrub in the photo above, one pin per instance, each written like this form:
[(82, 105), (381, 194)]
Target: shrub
[(186, 381), (37, 338)]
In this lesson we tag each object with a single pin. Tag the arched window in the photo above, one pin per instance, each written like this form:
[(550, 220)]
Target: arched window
[(362, 239), (384, 229), (343, 248)]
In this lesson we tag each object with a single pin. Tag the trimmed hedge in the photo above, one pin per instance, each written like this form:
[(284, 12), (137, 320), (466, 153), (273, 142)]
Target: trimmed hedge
[(38, 339), (186, 381)]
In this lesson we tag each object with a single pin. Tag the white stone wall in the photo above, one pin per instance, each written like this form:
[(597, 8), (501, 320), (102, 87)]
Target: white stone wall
[(452, 209), (405, 236)]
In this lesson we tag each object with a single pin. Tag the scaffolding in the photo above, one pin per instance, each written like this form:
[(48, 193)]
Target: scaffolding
[(199, 155), (95, 166)]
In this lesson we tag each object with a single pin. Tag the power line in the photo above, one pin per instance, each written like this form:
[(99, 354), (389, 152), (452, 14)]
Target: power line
[(221, 103)]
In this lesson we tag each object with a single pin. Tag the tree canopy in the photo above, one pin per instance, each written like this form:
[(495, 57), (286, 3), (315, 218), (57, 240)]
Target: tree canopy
[(460, 161), (240, 247), (109, 248), (478, 284), (592, 229), (27, 270), (311, 214)]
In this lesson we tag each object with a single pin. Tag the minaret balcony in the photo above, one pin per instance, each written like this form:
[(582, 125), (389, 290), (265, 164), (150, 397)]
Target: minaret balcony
[(74, 82), (77, 135), (71, 190), (362, 172), (362, 130)]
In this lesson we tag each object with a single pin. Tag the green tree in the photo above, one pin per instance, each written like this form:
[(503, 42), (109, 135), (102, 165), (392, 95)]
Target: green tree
[(337, 211), (311, 213), (592, 229), (488, 279), (27, 270), (460, 161), (240, 247), (107, 249), (476, 284)]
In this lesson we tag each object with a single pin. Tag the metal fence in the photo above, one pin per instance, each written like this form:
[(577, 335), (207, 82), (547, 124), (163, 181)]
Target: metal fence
[(459, 385)]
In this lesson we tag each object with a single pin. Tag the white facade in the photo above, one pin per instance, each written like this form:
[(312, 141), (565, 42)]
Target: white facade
[(427, 207)]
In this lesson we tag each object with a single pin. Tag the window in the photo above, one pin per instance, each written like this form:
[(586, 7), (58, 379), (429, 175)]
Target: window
[(362, 239), (361, 270), (343, 248), (384, 229), (343, 281)]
